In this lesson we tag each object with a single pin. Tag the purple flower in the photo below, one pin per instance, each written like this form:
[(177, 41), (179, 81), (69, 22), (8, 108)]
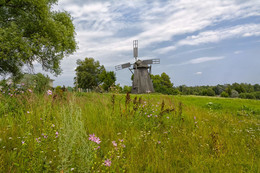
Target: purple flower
[(114, 143), (49, 92), (107, 162), (22, 142), (91, 137), (194, 118), (97, 148), (30, 90), (57, 133), (97, 140), (94, 138), (22, 84)]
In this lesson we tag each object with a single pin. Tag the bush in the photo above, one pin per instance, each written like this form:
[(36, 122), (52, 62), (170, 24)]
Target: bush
[(247, 96), (234, 94), (224, 94)]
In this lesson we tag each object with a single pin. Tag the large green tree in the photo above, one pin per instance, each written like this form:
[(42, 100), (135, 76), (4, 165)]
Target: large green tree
[(31, 31), (162, 84), (90, 74)]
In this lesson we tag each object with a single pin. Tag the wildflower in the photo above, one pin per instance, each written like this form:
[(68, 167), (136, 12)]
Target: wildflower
[(97, 141), (114, 143), (56, 134), (167, 117), (159, 142), (30, 90), (91, 137), (22, 84), (22, 142), (97, 148), (194, 118), (107, 162), (121, 140), (94, 139), (72, 169), (49, 92), (53, 126), (28, 112)]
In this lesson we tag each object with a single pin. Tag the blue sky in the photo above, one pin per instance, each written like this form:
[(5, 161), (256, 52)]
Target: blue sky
[(199, 42)]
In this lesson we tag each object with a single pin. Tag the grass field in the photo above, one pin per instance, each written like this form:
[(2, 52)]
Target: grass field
[(89, 132)]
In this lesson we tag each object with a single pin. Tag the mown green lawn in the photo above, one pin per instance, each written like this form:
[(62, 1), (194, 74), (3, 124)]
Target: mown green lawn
[(90, 132)]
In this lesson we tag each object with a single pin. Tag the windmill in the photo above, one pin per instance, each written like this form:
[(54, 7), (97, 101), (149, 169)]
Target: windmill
[(142, 82)]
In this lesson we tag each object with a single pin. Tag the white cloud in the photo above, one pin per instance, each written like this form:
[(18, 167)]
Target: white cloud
[(106, 29), (214, 36), (204, 59), (238, 52), (198, 73)]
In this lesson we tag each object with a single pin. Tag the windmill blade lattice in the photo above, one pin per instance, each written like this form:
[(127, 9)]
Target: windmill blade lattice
[(122, 66)]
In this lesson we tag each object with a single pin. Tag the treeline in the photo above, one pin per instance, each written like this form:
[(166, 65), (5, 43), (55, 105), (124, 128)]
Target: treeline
[(162, 84), (235, 90)]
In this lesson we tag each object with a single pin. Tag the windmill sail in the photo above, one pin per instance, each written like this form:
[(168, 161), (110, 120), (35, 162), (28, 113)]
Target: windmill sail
[(122, 66), (151, 61)]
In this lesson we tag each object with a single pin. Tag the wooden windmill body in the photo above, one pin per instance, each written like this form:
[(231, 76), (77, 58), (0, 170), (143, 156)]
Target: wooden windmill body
[(142, 82)]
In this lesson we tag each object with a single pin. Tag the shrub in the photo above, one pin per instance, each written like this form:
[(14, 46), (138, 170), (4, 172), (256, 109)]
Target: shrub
[(224, 94)]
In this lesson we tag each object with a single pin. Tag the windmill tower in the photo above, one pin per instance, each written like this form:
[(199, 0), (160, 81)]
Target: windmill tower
[(142, 82)]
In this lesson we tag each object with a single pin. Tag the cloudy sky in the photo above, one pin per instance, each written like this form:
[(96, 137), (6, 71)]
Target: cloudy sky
[(199, 42)]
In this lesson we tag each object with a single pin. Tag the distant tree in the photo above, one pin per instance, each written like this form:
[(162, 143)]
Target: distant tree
[(127, 89), (208, 92), (162, 84), (91, 75), (224, 94), (41, 83), (234, 94), (31, 31), (88, 73), (108, 79)]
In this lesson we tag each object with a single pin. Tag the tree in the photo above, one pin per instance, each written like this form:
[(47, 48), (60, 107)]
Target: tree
[(42, 82), (91, 74), (108, 79), (30, 31), (162, 84)]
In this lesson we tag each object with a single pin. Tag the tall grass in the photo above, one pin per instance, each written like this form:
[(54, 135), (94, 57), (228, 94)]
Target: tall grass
[(138, 133)]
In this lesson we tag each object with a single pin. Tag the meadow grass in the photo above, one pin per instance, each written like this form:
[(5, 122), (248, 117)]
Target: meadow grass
[(138, 133)]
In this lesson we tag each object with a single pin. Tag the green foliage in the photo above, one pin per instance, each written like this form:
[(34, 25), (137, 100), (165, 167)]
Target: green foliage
[(162, 84), (224, 94), (42, 83), (127, 89), (30, 31), (108, 79), (208, 92), (89, 73)]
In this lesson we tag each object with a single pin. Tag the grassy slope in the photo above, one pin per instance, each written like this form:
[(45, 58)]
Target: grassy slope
[(160, 133)]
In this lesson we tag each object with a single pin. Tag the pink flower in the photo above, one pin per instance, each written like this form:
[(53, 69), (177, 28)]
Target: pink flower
[(114, 143), (92, 137), (194, 118), (97, 148), (30, 90), (97, 140), (107, 162), (49, 92)]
